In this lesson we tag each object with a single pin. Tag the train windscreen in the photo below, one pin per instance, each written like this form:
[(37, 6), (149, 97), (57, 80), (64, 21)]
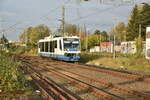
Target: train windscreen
[(71, 44)]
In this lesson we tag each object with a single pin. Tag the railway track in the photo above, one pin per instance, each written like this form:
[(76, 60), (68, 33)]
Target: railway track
[(102, 89), (124, 74)]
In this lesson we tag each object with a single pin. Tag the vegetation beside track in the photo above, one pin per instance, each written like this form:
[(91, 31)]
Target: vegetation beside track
[(29, 50), (11, 78), (127, 62)]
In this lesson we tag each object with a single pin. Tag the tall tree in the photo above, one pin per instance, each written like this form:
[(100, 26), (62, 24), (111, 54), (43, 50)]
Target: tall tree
[(3, 39), (133, 24), (97, 32), (105, 35), (144, 19)]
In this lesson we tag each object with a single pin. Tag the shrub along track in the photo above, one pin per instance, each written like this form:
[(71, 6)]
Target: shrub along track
[(64, 70)]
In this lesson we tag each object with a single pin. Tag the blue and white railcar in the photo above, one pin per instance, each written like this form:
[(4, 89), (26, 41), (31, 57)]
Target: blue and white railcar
[(62, 48)]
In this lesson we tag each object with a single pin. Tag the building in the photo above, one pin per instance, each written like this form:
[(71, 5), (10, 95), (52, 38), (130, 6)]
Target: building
[(104, 47), (128, 47), (147, 53)]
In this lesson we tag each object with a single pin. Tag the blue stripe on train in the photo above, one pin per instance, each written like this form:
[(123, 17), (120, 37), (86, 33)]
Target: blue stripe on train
[(60, 57)]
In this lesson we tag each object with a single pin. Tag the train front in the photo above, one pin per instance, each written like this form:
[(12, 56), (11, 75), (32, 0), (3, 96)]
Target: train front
[(71, 47)]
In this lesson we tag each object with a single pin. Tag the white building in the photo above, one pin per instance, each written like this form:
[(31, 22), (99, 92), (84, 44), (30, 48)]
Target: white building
[(147, 53)]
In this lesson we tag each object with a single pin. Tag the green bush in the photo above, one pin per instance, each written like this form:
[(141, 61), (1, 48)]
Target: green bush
[(10, 77)]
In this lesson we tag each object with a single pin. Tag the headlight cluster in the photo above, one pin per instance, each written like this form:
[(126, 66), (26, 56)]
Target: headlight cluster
[(70, 54)]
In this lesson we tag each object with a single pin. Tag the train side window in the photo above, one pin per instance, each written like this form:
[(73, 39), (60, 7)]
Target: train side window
[(51, 46), (60, 45), (46, 46), (55, 44), (42, 46)]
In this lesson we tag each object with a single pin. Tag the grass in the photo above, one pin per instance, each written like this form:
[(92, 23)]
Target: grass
[(11, 78), (125, 63)]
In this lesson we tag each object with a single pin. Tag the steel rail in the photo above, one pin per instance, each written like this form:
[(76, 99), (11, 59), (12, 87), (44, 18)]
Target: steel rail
[(53, 87), (45, 95), (98, 91), (136, 77), (131, 76), (115, 73), (117, 87), (137, 93)]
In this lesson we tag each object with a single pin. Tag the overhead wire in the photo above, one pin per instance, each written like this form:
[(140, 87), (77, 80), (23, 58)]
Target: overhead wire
[(94, 13), (76, 19), (66, 2), (20, 22)]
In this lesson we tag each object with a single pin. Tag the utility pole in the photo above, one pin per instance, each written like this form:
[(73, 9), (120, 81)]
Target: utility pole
[(100, 1), (86, 45), (140, 31), (100, 39), (63, 20), (114, 53)]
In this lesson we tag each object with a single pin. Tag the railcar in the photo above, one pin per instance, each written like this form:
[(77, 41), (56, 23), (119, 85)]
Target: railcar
[(61, 48)]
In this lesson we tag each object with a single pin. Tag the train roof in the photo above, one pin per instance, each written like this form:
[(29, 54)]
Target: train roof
[(54, 38)]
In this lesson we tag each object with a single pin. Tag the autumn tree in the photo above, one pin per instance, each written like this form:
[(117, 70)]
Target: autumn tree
[(31, 35), (119, 31)]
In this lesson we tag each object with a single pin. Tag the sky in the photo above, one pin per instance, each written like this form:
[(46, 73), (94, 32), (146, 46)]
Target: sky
[(16, 15)]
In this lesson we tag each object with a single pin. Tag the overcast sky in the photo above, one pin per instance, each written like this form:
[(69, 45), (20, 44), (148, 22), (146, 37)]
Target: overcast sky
[(16, 15)]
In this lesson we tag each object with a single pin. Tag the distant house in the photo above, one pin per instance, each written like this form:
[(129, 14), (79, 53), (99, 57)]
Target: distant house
[(104, 47), (118, 48), (17, 43), (128, 47), (95, 49)]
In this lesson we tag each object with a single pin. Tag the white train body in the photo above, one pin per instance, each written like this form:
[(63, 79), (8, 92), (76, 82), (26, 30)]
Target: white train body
[(62, 48)]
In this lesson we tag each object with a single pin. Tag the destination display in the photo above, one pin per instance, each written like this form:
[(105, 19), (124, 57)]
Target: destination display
[(148, 42)]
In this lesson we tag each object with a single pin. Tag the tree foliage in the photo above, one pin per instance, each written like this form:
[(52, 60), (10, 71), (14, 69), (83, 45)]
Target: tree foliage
[(3, 39), (70, 30), (10, 77), (119, 31), (144, 19), (139, 47), (138, 17), (97, 32), (133, 24), (102, 34), (92, 40), (32, 34)]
